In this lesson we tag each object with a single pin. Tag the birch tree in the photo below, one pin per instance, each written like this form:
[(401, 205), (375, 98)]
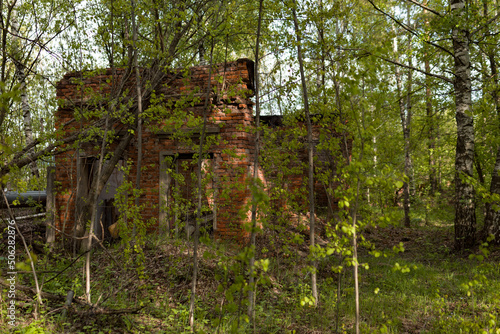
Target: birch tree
[(465, 215), (465, 218)]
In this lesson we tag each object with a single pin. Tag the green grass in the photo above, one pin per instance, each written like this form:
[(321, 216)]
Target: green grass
[(425, 289), (428, 298)]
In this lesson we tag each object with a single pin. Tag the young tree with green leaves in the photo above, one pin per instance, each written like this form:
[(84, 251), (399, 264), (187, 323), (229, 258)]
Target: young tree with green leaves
[(310, 154)]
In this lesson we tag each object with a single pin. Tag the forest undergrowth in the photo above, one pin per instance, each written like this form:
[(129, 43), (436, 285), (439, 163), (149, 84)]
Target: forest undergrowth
[(412, 282)]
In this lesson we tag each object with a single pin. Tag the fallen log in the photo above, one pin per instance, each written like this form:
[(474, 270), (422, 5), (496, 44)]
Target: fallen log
[(101, 310)]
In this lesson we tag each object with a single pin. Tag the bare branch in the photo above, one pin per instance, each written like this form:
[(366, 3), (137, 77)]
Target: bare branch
[(425, 7), (415, 69)]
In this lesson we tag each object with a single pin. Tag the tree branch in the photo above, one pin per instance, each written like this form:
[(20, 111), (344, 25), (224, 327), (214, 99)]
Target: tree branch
[(484, 25), (415, 69), (399, 23), (425, 7), (405, 27)]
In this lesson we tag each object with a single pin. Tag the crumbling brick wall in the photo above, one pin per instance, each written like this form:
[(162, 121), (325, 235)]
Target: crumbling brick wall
[(230, 119), (288, 173)]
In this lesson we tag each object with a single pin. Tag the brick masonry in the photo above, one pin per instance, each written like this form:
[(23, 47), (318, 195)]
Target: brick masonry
[(230, 122)]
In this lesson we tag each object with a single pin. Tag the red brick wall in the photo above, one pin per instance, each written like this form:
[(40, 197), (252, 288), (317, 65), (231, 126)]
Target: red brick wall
[(231, 113), (288, 173)]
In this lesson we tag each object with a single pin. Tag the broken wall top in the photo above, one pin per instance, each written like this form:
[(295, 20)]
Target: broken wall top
[(232, 82)]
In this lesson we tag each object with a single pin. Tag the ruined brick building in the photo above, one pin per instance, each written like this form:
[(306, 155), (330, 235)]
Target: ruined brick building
[(169, 149)]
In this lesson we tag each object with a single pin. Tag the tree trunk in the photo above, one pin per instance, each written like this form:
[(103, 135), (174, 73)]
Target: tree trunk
[(251, 279), (433, 185), (310, 151), (431, 137), (404, 114), (139, 112), (206, 105), (21, 77), (88, 206), (492, 217), (94, 218), (465, 216), (408, 186)]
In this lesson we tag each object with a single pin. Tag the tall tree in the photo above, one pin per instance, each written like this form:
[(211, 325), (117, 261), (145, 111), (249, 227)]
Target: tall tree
[(27, 44), (173, 45), (465, 218), (253, 232), (21, 77), (310, 153), (465, 215), (492, 217), (405, 116)]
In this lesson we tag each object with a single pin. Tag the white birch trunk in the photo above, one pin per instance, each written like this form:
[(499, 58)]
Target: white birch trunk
[(465, 217)]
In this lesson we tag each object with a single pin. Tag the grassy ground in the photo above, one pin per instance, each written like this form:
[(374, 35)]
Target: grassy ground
[(425, 289)]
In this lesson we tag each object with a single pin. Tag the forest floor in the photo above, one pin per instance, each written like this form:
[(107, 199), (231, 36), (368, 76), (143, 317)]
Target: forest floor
[(426, 288)]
